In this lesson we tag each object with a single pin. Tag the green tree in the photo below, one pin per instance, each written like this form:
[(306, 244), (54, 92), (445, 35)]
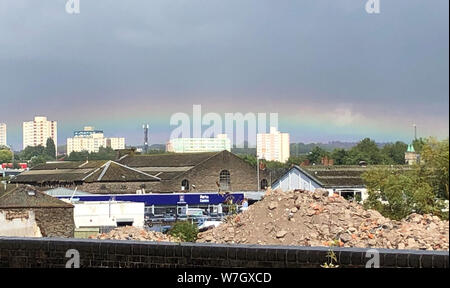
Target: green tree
[(340, 156), (296, 160), (274, 164), (185, 231), (78, 156), (50, 149), (435, 165), (103, 154), (5, 156), (395, 153), (40, 159), (397, 193), (421, 188), (418, 144), (316, 155), (250, 159), (30, 152), (366, 150)]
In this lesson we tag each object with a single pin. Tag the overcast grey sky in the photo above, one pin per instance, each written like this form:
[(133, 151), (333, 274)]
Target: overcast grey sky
[(331, 71)]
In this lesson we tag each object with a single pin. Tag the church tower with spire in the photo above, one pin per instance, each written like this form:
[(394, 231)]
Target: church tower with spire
[(411, 157)]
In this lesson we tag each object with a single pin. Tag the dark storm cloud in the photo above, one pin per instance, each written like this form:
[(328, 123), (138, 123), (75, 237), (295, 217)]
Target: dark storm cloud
[(326, 52)]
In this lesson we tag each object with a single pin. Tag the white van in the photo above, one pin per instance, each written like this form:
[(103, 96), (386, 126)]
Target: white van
[(195, 212)]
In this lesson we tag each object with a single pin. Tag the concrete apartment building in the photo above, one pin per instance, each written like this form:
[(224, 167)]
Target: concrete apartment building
[(91, 140), (199, 145), (37, 132), (115, 143), (3, 134), (273, 146)]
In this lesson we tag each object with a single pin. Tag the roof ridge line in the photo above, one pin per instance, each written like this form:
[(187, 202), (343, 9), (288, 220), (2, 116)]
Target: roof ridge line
[(7, 193), (201, 162), (106, 167), (123, 157), (302, 171), (81, 165), (95, 170), (309, 175), (136, 170)]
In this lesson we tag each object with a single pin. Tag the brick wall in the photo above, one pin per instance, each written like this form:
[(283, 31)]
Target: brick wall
[(50, 253), (55, 222), (205, 175)]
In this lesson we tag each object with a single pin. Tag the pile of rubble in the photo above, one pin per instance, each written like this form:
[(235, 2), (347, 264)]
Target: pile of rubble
[(313, 219), (134, 233)]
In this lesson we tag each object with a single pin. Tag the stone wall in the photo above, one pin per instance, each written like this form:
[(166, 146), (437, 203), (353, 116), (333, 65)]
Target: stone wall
[(205, 175), (51, 222), (55, 222), (119, 187), (51, 253)]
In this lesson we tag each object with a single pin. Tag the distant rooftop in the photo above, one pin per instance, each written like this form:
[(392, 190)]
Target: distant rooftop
[(26, 196), (167, 160), (340, 175)]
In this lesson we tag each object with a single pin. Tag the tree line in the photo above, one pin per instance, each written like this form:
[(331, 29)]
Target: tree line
[(33, 155), (366, 150)]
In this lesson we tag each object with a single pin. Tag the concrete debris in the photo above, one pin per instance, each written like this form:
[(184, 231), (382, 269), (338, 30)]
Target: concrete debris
[(136, 234), (281, 234), (316, 220), (273, 205)]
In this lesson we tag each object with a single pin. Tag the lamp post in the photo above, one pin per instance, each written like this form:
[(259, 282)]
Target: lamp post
[(257, 170)]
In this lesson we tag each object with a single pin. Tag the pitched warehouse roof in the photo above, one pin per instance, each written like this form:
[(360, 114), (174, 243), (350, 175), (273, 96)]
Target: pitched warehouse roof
[(70, 165), (167, 166), (167, 160), (99, 171), (128, 169), (116, 172)]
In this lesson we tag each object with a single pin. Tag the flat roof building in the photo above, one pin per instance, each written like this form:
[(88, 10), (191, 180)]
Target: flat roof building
[(198, 145), (91, 140), (3, 134)]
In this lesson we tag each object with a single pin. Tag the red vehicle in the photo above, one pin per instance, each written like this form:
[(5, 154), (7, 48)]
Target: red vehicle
[(11, 166)]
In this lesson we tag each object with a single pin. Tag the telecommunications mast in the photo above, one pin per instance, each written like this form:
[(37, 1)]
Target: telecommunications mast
[(145, 126)]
